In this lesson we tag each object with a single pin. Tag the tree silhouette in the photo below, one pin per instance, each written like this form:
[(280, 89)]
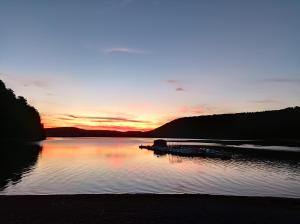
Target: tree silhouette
[(18, 120)]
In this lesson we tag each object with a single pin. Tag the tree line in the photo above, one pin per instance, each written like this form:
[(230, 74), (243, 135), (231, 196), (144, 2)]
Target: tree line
[(18, 120)]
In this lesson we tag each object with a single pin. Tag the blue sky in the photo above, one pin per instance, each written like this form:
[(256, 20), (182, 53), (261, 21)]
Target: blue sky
[(150, 61)]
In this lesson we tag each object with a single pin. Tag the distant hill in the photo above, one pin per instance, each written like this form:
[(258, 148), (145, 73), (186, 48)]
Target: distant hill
[(18, 120), (276, 124), (77, 132)]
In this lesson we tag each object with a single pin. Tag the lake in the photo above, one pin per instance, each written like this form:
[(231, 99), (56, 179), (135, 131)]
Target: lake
[(117, 165)]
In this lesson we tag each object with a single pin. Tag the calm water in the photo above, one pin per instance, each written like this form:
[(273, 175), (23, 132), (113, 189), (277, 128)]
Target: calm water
[(117, 165)]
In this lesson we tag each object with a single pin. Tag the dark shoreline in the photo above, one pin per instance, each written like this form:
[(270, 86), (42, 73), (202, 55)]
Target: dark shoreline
[(238, 142), (224, 142), (147, 208)]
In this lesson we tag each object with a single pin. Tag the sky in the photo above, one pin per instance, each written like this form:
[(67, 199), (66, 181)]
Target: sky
[(137, 64)]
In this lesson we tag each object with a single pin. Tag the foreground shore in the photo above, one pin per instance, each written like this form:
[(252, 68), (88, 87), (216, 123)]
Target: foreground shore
[(147, 209)]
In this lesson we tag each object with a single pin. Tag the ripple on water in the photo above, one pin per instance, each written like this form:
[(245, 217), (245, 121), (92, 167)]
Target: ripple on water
[(116, 165)]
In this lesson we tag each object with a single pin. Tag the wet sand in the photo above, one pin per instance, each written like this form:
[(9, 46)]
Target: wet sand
[(147, 209)]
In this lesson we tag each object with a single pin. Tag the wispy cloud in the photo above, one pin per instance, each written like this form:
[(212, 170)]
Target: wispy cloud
[(26, 81), (196, 110), (112, 128), (177, 84), (123, 50), (180, 89), (116, 123), (265, 101), (173, 81), (103, 118), (37, 83), (282, 80)]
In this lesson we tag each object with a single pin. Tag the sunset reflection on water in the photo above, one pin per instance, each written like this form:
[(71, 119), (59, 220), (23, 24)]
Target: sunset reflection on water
[(117, 165)]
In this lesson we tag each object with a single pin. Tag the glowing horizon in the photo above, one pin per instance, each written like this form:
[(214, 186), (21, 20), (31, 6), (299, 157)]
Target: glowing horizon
[(91, 124), (138, 65)]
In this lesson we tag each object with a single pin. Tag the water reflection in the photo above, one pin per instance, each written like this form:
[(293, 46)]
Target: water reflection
[(292, 165), (117, 165), (16, 160)]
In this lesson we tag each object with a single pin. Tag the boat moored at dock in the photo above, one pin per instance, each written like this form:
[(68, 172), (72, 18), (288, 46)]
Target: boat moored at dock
[(160, 146)]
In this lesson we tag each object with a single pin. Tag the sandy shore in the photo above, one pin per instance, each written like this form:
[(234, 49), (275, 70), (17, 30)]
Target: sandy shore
[(147, 209)]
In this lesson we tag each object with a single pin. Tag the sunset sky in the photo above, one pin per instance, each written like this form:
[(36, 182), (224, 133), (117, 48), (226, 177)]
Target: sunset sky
[(136, 64)]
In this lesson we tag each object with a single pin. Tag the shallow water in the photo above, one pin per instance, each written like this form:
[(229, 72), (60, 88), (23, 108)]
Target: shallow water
[(117, 165)]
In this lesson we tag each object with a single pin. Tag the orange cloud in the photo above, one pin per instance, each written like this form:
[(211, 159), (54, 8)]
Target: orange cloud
[(97, 122), (104, 119), (113, 128)]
